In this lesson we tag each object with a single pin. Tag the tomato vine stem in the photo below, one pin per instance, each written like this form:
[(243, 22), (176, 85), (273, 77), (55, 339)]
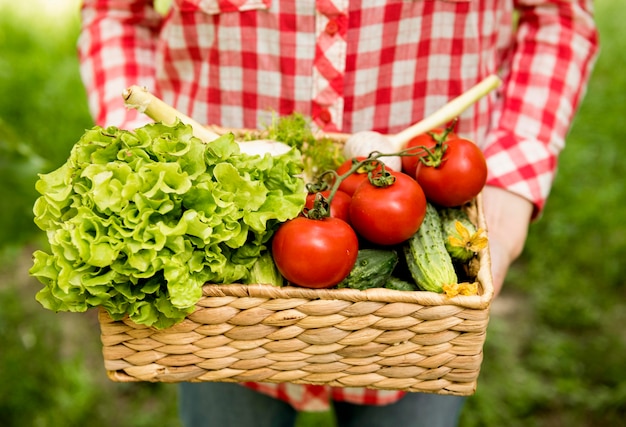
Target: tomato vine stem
[(434, 156), (377, 173)]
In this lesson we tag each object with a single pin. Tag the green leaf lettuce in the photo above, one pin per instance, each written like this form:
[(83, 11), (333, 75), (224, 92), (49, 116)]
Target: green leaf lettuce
[(138, 222)]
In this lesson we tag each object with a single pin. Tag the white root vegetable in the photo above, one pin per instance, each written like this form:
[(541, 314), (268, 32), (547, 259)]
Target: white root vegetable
[(142, 100), (361, 143), (263, 146), (145, 102), (366, 142)]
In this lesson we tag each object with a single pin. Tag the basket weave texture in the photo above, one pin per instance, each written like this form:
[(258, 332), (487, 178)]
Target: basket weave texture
[(377, 338)]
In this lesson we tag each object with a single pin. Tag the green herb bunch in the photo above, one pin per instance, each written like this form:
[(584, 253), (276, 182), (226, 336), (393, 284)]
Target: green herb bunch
[(319, 153)]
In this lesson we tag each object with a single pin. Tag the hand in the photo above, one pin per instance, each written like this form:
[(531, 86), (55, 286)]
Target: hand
[(508, 216)]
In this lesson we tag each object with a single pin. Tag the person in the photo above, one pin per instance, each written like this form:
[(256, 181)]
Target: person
[(355, 65)]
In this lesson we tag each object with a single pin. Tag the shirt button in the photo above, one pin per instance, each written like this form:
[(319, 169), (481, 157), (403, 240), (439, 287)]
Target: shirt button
[(325, 115), (332, 27)]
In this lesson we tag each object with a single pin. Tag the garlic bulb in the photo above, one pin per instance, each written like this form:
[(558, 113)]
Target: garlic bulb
[(361, 144)]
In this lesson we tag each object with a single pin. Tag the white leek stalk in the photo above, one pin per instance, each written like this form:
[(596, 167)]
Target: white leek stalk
[(363, 143)]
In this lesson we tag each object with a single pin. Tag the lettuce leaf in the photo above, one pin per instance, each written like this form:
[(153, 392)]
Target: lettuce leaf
[(137, 222)]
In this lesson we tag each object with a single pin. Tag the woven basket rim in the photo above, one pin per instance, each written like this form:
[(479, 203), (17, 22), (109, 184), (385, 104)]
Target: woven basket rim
[(480, 301)]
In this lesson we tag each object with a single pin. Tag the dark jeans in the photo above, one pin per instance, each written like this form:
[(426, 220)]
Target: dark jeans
[(227, 404)]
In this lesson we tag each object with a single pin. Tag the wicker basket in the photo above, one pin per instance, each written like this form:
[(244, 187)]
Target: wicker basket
[(378, 338)]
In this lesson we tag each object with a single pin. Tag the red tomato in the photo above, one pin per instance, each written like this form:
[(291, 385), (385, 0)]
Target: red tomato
[(388, 215), (460, 176), (315, 253), (352, 181), (339, 206), (409, 163)]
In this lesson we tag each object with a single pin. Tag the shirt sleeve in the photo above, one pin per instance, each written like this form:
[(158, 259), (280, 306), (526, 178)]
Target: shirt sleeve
[(550, 61), (116, 49)]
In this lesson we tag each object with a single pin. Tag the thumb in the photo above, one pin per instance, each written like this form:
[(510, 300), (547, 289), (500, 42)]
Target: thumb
[(499, 264), (507, 216)]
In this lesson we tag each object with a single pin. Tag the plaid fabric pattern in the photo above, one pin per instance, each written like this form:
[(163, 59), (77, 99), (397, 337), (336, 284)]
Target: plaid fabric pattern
[(316, 398), (329, 63), (353, 65)]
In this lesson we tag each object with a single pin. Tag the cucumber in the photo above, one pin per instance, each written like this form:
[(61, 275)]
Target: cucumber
[(426, 255), (372, 269), (398, 284)]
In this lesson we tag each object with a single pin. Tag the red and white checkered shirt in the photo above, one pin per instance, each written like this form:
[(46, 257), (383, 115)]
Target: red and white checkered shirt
[(352, 66)]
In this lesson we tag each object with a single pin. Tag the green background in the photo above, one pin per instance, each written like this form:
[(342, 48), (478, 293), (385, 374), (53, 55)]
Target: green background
[(556, 346)]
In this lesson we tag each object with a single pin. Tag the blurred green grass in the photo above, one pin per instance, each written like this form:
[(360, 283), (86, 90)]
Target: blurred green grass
[(555, 357), (556, 345), (42, 109)]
